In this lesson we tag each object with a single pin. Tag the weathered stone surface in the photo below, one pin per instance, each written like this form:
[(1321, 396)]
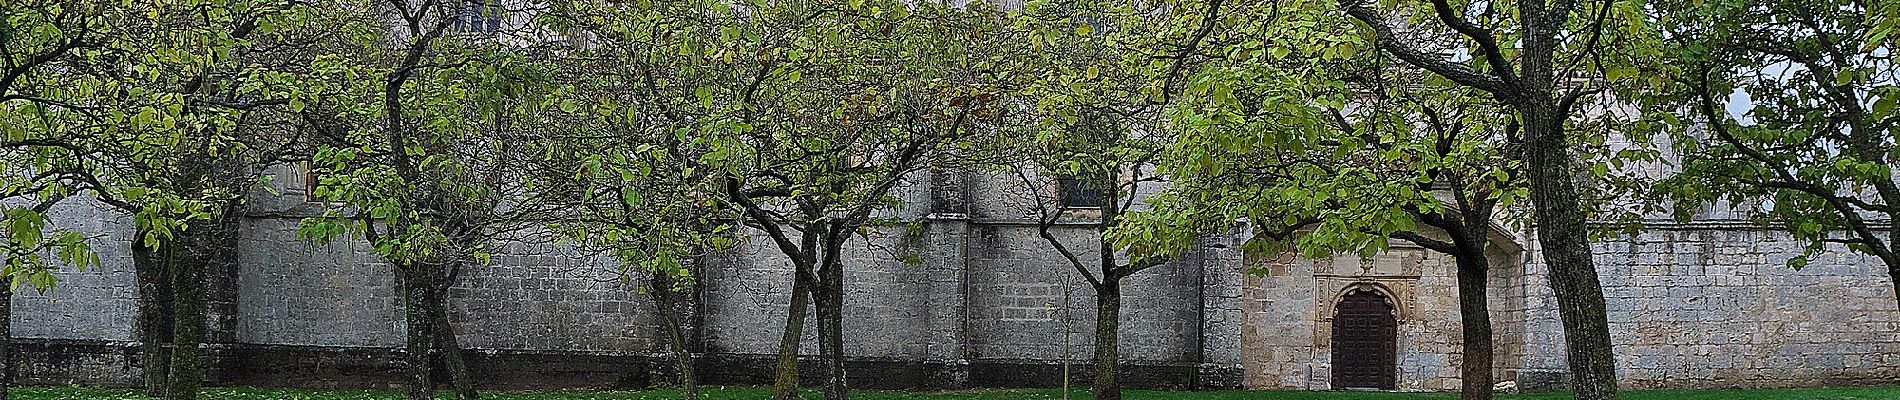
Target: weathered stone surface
[(90, 304), (990, 304), (1288, 313), (1713, 305)]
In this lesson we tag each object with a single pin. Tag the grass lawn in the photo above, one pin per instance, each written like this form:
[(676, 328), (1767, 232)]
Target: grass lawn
[(66, 393)]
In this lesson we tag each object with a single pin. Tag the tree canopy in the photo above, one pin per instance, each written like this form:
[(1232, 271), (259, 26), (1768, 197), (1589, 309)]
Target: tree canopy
[(659, 132)]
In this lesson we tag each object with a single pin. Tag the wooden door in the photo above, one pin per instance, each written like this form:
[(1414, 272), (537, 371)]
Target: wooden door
[(1365, 343)]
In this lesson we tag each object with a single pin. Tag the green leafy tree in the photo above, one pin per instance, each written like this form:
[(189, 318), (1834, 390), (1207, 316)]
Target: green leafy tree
[(662, 76), (227, 72), (1542, 60), (47, 142), (420, 149), (1086, 142), (1561, 55), (631, 160), (166, 112), (865, 94), (645, 206), (804, 117), (63, 134), (1321, 150), (1787, 104)]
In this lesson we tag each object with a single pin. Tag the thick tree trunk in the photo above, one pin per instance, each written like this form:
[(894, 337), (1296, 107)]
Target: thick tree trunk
[(450, 348), (6, 339), (660, 289), (1108, 310), (1474, 310), (1564, 236), (1893, 274), (418, 334), (153, 323), (1892, 256), (187, 265), (195, 250), (830, 303), (785, 383)]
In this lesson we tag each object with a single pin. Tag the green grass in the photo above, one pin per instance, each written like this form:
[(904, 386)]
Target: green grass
[(75, 393)]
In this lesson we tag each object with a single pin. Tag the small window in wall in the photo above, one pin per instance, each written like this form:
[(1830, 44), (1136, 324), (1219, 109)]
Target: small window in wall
[(1077, 192), (478, 16)]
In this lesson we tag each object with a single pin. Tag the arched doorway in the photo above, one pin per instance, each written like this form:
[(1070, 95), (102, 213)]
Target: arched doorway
[(1365, 342)]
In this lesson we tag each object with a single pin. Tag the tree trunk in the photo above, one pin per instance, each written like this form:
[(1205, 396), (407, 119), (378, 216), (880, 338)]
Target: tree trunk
[(187, 264), (830, 302), (1892, 257), (418, 334), (451, 351), (1564, 237), (154, 314), (785, 383), (1893, 274), (448, 347), (1108, 310), (1893, 252), (1473, 270), (660, 289), (6, 339)]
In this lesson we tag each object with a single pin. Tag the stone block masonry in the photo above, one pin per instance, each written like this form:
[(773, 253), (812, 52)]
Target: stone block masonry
[(1698, 305), (1715, 306), (984, 308), (989, 305)]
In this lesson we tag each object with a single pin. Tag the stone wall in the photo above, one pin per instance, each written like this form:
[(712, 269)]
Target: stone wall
[(751, 289), (1700, 305), (294, 292), (984, 307), (90, 304), (535, 295), (1018, 308), (990, 304), (1713, 305), (1288, 314)]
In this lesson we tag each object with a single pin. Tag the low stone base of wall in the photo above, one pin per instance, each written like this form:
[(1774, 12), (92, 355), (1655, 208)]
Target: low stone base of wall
[(116, 364), (1559, 380), (75, 362), (103, 363)]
